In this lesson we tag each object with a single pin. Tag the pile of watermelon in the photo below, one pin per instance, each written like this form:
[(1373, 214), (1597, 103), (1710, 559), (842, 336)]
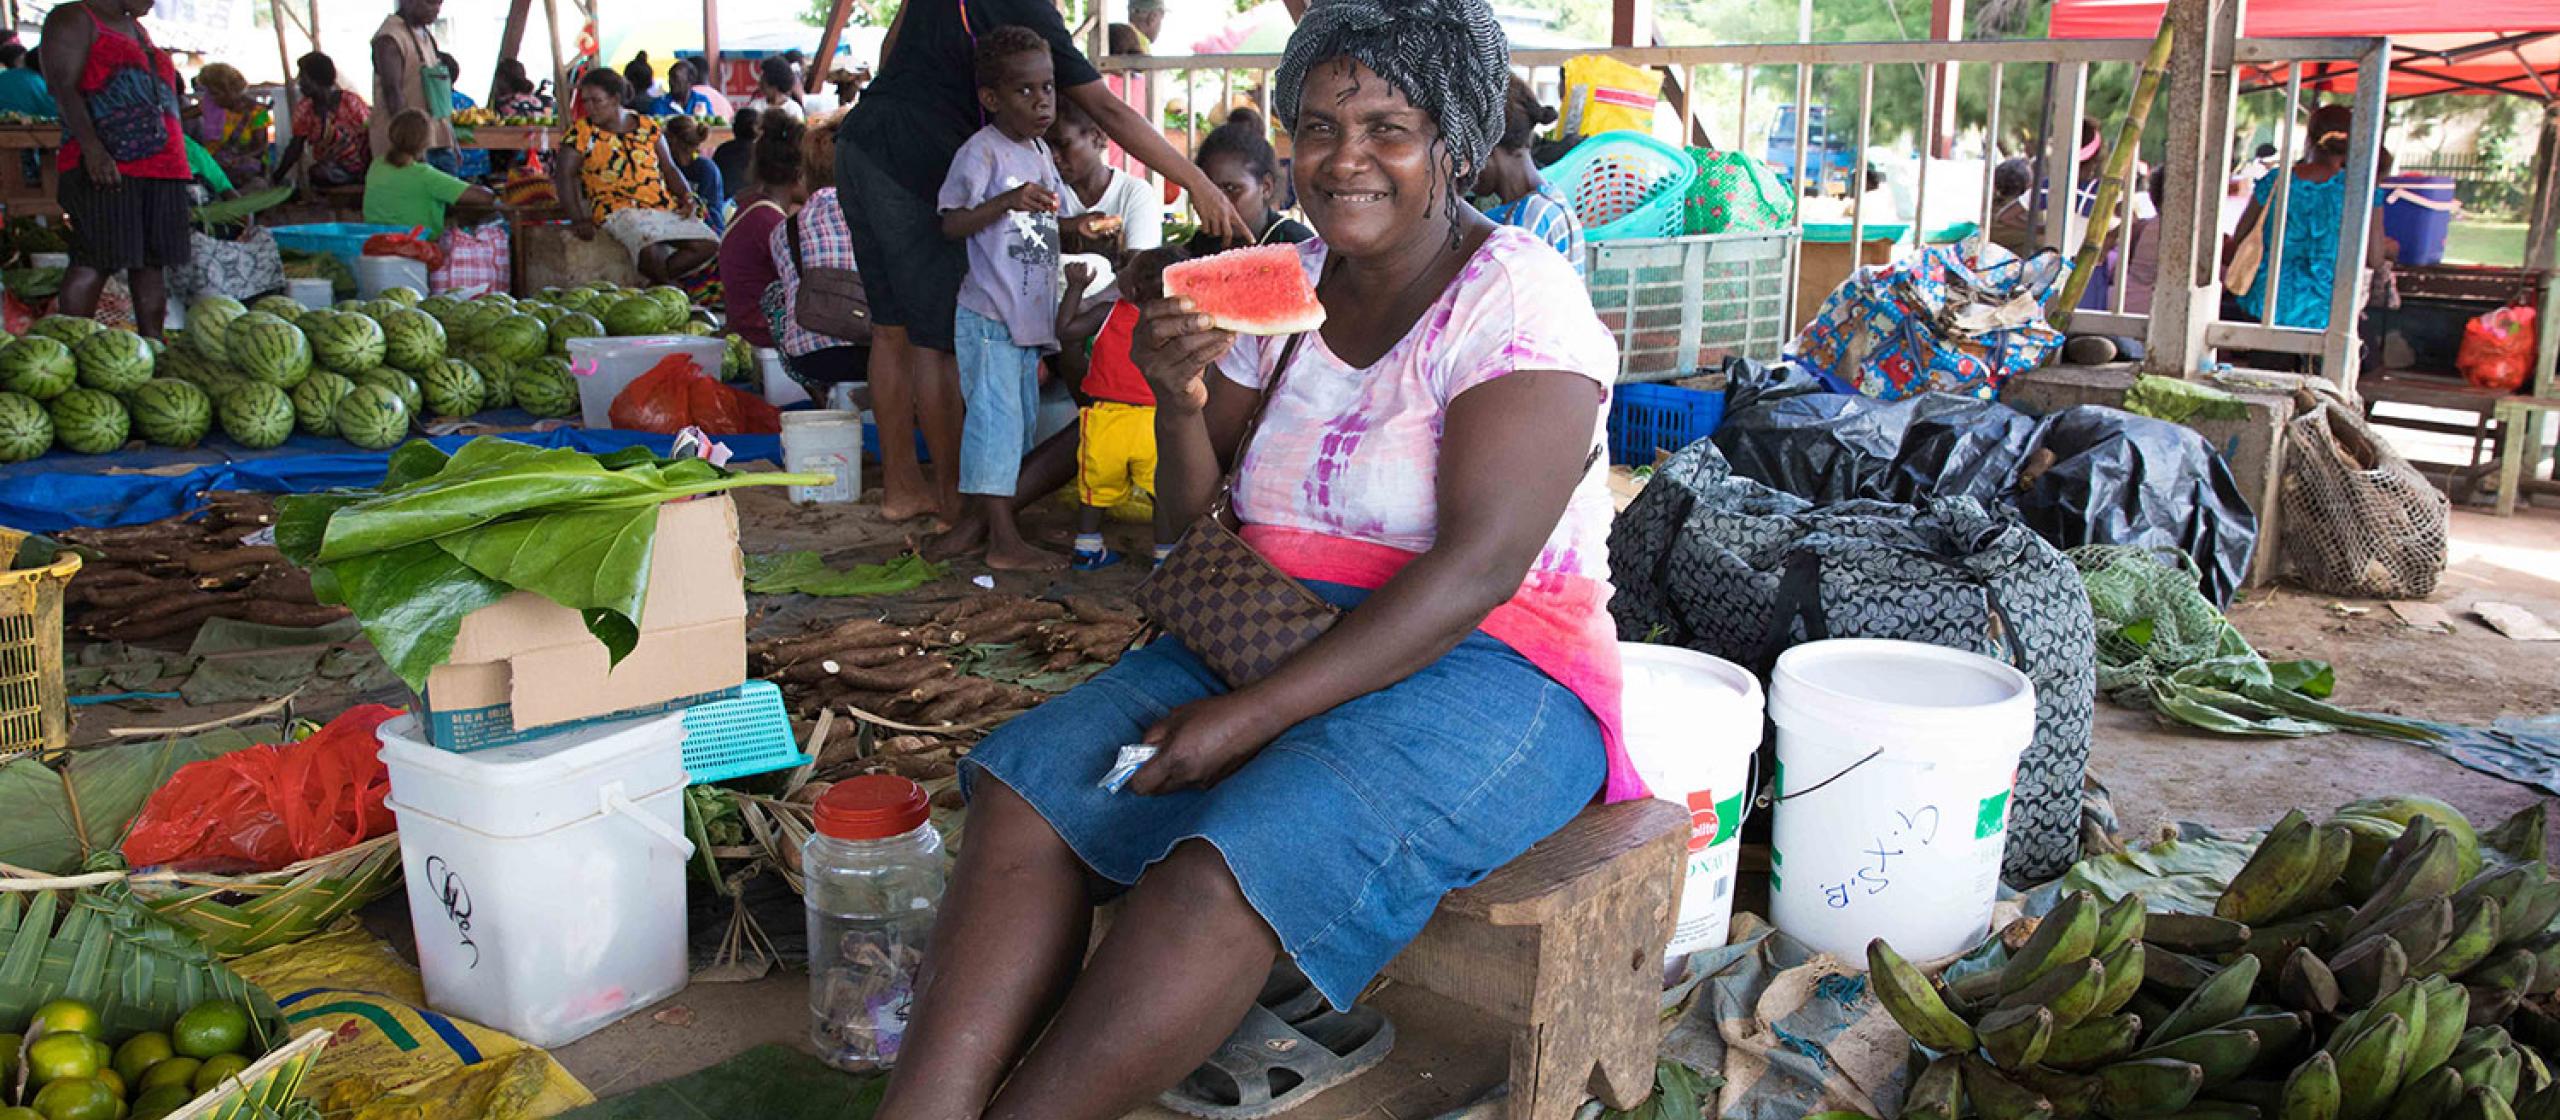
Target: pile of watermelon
[(363, 371)]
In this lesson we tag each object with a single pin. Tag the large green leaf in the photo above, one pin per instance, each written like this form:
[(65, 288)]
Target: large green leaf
[(806, 573), (412, 602), (594, 561)]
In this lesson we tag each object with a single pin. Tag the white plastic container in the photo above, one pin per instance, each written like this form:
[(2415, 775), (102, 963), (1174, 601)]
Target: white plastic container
[(607, 366), (546, 879), (1895, 762), (313, 294), (376, 275), (1692, 725), (824, 441), (780, 390), (875, 870)]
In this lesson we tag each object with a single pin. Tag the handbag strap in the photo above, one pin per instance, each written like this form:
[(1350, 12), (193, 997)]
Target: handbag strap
[(1253, 424)]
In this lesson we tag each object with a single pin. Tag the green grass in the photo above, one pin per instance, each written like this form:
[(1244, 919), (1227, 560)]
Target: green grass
[(2477, 242)]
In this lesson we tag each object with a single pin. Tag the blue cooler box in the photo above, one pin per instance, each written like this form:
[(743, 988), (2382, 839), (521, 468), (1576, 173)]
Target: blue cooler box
[(2417, 212)]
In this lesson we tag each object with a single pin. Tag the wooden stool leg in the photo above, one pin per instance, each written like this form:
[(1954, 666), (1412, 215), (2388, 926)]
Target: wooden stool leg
[(1605, 1028)]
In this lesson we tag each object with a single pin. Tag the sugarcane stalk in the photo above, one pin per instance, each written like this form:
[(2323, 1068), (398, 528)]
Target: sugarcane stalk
[(2111, 188)]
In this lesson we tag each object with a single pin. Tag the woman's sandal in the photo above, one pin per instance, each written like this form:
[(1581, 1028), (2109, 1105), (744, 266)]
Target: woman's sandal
[(1289, 1048)]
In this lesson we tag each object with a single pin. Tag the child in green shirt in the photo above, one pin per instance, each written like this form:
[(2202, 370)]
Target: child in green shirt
[(402, 190)]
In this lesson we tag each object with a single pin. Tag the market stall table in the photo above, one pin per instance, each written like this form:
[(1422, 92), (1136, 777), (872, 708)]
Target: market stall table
[(19, 194)]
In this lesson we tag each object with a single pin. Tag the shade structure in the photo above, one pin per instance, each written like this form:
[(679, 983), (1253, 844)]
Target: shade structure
[(2438, 46)]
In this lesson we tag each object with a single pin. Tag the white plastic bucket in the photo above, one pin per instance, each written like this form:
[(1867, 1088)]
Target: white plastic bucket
[(312, 293), (376, 275), (1692, 724), (607, 366), (546, 879), (824, 441), (780, 390), (1895, 762)]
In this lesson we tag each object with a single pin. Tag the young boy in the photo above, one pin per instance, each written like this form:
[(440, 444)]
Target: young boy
[(1083, 155), (1005, 199), (1116, 433)]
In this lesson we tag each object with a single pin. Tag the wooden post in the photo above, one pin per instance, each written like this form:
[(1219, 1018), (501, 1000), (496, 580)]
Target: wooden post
[(1946, 25), (284, 56), (560, 91), (826, 55), (510, 41), (313, 28), (1631, 23), (2202, 86), (711, 45)]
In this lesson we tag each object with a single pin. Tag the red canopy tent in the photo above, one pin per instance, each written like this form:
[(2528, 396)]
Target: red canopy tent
[(2438, 46)]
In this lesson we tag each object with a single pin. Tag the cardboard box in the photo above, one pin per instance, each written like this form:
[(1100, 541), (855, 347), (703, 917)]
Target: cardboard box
[(525, 666)]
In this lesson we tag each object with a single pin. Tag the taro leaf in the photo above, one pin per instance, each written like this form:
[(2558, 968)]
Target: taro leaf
[(110, 784), (415, 462), (804, 572), (489, 480), (412, 601), (302, 523), (2314, 679), (595, 562), (231, 210)]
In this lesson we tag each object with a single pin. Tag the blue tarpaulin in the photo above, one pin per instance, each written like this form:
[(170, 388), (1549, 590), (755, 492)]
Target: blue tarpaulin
[(145, 484)]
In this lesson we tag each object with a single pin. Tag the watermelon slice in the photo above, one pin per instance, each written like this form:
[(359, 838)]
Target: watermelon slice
[(1260, 291)]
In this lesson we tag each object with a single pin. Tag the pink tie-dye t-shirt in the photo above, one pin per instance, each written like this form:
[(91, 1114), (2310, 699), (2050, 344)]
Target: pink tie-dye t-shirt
[(1355, 453)]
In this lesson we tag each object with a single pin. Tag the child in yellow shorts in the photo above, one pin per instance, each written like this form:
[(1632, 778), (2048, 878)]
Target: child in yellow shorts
[(1116, 452)]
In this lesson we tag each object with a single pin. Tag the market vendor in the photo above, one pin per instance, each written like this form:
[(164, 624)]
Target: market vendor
[(687, 94), (402, 190), (22, 85), (617, 174), (409, 73), (331, 125), (235, 126), (124, 157), (1457, 712)]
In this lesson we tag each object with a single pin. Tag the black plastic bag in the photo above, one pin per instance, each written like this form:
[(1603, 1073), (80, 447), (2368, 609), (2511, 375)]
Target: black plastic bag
[(1959, 447), (2125, 479)]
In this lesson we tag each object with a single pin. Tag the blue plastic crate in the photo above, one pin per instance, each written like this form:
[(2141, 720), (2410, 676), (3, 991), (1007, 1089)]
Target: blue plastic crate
[(1645, 419), (343, 240), (750, 734)]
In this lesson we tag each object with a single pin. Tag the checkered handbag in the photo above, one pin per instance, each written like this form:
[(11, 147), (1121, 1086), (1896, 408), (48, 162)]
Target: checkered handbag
[(1241, 616)]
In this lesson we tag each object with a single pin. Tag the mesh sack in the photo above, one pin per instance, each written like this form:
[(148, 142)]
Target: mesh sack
[(2358, 519)]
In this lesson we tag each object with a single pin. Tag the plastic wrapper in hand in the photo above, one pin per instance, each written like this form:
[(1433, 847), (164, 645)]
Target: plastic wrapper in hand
[(270, 806), (2497, 349), (677, 394)]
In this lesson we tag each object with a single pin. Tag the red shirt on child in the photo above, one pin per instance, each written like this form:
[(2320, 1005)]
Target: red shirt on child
[(1112, 375)]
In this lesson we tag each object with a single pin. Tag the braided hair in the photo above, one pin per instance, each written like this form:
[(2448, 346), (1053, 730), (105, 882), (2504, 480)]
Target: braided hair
[(1448, 57)]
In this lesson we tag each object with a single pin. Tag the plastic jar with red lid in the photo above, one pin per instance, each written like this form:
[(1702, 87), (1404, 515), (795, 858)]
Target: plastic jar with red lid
[(873, 871)]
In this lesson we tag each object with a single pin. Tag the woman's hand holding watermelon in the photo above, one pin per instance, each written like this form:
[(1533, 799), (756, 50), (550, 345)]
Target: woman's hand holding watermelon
[(1174, 348)]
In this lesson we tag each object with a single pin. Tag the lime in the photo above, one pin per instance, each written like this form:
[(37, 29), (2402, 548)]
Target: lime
[(78, 1098), (210, 1028), (106, 1054), (113, 1081), (20, 1114), (141, 1052), (10, 1044), (168, 1073), (66, 1016), (61, 1057), (158, 1102), (216, 1070)]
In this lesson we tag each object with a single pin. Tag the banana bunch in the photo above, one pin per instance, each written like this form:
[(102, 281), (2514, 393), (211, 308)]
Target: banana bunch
[(474, 118)]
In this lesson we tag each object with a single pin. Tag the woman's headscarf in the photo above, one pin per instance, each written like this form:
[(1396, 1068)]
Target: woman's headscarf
[(1449, 57)]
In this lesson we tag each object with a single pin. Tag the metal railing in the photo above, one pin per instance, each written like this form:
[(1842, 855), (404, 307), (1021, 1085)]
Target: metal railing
[(2060, 71)]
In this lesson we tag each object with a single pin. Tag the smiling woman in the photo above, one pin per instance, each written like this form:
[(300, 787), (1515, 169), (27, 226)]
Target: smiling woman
[(1426, 464)]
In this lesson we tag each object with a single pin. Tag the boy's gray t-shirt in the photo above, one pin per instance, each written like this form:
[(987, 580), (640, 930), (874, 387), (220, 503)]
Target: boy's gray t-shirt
[(1013, 264)]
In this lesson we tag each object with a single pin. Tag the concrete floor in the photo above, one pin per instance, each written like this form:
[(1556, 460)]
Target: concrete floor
[(2157, 774)]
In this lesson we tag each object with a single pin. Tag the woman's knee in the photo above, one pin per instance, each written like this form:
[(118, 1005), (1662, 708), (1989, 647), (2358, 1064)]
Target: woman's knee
[(1006, 826), (1196, 874)]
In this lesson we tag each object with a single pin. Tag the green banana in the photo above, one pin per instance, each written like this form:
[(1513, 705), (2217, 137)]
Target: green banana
[(2403, 846), (2421, 927), (2481, 1104), (2197, 934), (2071, 992), (2173, 970), (2542, 1105), (2448, 1014), (2265, 1096), (2124, 976), (2409, 1002), (2306, 983), (2328, 876), (2223, 1053), (2537, 1075), (2370, 1066), (2213, 1003), (2016, 1037), (1996, 1097), (2217, 1110), (2094, 1042), (2530, 912), (2277, 875), (2503, 884), (2513, 970), (2148, 1086), (2127, 920), (2428, 1097), (2427, 873), (2505, 1076), (2546, 963), (1914, 1002), (2312, 1092), (2475, 936), (2475, 1066), (2280, 1033), (2370, 969), (2066, 935), (2371, 838), (1936, 1094)]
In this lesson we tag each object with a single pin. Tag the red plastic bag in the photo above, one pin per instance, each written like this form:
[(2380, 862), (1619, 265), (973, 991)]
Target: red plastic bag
[(2497, 349), (270, 806), (676, 394), (412, 245)]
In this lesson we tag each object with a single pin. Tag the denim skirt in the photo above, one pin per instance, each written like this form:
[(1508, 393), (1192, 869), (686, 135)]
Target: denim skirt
[(1348, 828)]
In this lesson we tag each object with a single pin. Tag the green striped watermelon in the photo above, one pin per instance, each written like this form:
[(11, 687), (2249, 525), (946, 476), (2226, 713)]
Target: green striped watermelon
[(497, 382), (349, 344), (415, 341), (170, 412), (269, 349), (373, 417), (113, 361), (89, 421), (377, 308), (26, 429), (209, 326), (286, 308), (453, 389), (574, 325), (633, 316), (38, 367), (404, 295), (315, 402), (737, 360), (515, 337), (401, 385), (545, 387), (65, 329), (440, 307), (257, 414)]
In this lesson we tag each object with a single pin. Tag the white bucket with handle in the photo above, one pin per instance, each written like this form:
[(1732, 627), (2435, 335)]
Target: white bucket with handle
[(1692, 726), (824, 441), (1895, 763)]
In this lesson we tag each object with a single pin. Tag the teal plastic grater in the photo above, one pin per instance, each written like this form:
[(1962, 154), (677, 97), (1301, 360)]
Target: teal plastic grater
[(750, 734)]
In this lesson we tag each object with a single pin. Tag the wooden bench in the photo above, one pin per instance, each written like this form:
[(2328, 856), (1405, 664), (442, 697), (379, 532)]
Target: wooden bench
[(1565, 946)]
